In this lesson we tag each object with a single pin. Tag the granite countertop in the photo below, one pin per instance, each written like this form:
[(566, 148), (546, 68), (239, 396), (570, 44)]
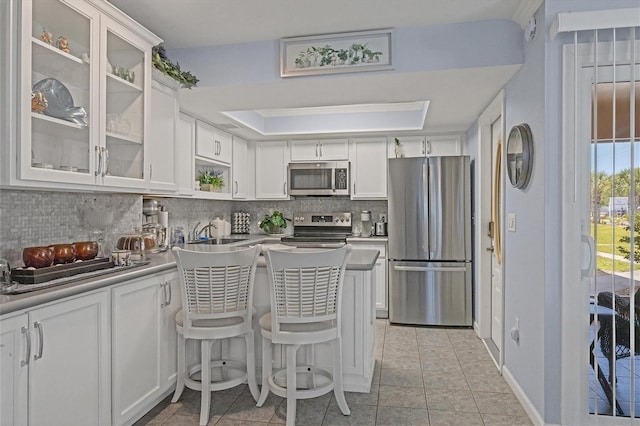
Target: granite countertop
[(160, 262)]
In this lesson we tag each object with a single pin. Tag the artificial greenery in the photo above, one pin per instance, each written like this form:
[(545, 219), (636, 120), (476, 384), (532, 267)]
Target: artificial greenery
[(213, 179), (163, 64), (273, 222)]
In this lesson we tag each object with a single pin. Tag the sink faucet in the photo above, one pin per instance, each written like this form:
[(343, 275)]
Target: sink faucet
[(196, 233)]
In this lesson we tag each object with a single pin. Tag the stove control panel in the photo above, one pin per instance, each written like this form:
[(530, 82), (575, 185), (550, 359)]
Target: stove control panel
[(322, 219)]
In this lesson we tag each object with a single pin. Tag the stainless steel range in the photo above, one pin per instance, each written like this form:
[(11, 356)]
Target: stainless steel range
[(322, 230)]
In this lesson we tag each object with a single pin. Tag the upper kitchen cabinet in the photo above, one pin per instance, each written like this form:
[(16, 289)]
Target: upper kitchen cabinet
[(82, 96), (319, 150), (212, 143), (240, 168), (163, 123), (271, 170), (424, 146), (368, 168)]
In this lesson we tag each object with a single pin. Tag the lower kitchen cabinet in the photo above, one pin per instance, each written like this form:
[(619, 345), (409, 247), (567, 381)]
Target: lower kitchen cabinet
[(143, 339), (55, 363), (379, 271)]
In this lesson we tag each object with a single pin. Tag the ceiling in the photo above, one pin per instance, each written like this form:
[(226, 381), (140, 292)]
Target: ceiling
[(200, 23)]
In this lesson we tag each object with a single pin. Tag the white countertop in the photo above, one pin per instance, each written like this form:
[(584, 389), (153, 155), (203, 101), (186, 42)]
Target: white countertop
[(159, 262)]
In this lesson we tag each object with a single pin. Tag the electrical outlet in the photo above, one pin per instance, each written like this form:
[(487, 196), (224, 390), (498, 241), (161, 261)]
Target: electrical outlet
[(511, 222)]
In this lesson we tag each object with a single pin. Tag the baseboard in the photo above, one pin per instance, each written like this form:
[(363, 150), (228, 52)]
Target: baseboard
[(531, 411)]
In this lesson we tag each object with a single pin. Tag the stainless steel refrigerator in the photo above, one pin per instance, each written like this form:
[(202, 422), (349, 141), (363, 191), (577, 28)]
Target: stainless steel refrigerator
[(430, 241)]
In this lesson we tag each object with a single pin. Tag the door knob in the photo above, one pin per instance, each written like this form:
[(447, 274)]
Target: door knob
[(490, 248)]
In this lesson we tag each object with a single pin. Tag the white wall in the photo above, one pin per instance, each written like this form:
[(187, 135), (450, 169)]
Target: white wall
[(524, 251)]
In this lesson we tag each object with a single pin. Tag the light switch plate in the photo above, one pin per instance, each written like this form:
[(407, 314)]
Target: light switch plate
[(511, 222)]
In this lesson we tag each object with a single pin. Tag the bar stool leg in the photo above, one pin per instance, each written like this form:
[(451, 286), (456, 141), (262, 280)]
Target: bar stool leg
[(266, 370), (338, 389), (182, 369), (251, 366), (291, 384), (205, 391)]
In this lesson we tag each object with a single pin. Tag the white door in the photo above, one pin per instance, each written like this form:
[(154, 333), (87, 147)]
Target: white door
[(161, 146), (271, 170), (497, 298), (69, 370), (137, 345), (596, 149), (368, 168), (14, 366), (239, 169)]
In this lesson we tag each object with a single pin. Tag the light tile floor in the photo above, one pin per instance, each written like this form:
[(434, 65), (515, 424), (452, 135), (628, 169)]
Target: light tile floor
[(423, 376)]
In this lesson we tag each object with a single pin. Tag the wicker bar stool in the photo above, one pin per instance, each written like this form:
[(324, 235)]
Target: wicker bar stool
[(306, 297), (217, 294)]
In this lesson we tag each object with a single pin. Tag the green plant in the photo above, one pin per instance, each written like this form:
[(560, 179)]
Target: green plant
[(272, 222), (163, 64), (397, 141), (215, 179)]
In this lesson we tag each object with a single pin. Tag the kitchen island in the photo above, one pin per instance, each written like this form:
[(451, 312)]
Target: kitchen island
[(116, 335)]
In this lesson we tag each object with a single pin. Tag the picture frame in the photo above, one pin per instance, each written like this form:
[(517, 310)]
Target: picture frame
[(336, 53)]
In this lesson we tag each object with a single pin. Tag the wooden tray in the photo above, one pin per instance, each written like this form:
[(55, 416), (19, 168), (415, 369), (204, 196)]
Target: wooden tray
[(40, 275)]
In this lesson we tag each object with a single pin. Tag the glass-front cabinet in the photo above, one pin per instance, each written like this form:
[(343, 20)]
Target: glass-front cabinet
[(84, 84)]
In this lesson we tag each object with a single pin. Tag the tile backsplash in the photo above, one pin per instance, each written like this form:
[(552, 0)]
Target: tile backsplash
[(33, 218)]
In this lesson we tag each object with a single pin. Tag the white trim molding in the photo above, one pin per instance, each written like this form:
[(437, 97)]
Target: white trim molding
[(526, 403)]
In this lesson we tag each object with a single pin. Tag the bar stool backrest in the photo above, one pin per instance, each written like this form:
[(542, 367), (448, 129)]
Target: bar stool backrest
[(216, 285), (306, 286)]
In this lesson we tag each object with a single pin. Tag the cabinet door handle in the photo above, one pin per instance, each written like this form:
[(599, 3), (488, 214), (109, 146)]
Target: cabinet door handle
[(428, 147), (168, 284), (235, 182), (320, 150), (424, 147), (38, 325), (317, 151), (284, 188), (164, 295), (27, 355), (99, 158), (150, 171), (105, 151), (354, 187)]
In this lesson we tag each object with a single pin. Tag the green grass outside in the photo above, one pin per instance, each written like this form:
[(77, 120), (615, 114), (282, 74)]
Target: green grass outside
[(606, 243)]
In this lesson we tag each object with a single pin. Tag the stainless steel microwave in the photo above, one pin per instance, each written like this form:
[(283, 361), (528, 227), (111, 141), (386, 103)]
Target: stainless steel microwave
[(325, 178)]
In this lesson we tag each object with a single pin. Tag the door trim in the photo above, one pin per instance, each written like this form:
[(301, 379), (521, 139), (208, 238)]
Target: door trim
[(483, 182)]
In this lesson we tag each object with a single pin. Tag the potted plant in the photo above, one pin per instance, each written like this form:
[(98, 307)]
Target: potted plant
[(273, 223), (211, 182)]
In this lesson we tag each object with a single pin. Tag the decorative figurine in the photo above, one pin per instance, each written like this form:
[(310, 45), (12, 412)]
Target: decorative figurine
[(38, 102), (63, 44), (46, 36)]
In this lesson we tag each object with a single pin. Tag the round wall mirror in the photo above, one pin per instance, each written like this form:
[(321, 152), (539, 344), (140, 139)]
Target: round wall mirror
[(520, 155)]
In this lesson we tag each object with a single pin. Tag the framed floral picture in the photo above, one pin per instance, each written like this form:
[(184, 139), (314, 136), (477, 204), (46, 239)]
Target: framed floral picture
[(336, 53)]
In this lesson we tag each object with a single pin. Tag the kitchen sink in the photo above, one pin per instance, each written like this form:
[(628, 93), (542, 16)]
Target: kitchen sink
[(218, 241)]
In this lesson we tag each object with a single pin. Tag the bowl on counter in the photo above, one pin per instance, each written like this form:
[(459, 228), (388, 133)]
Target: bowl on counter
[(86, 250), (63, 253), (37, 257)]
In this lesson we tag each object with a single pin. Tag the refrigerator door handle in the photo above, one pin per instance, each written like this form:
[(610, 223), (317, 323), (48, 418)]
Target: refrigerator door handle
[(430, 268)]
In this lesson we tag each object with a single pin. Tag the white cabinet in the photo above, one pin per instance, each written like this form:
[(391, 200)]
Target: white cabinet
[(170, 336), (185, 143), (105, 73), (239, 169), (444, 145), (319, 150), (368, 158), (65, 347), (379, 271), (14, 359), (162, 137), (425, 146), (143, 361), (271, 170), (212, 143)]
